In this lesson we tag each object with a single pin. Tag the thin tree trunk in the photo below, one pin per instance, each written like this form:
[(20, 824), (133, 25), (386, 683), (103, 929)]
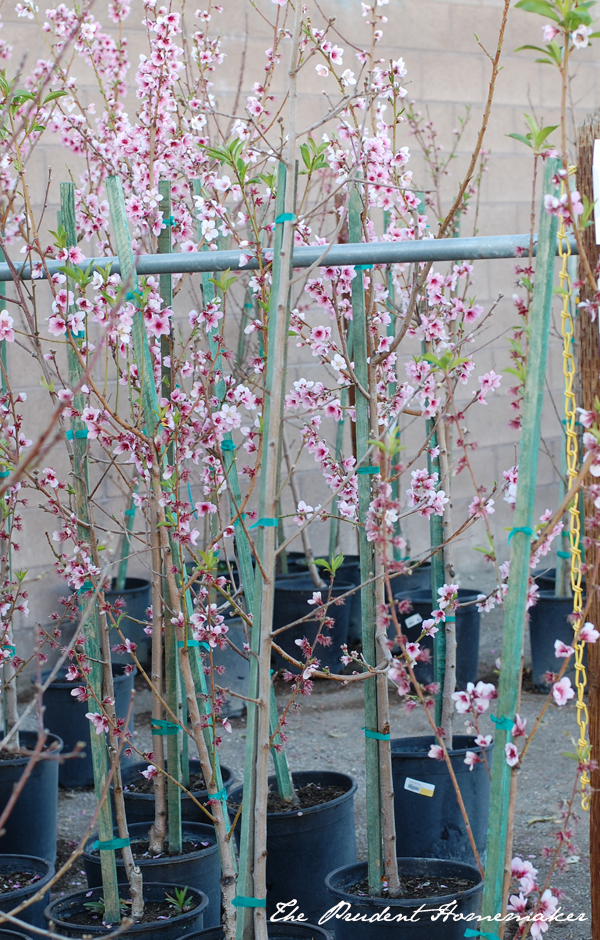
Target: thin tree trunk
[(158, 831)]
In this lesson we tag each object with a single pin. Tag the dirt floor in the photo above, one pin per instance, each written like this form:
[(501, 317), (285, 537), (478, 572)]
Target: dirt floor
[(327, 735)]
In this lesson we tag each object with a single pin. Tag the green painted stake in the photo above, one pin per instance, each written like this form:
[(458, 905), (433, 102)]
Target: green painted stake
[(367, 564), (150, 405), (391, 331), (499, 831), (126, 544), (172, 684), (90, 627), (438, 578)]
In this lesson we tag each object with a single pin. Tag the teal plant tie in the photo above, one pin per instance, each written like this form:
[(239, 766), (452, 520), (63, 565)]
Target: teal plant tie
[(87, 586), (285, 217), (182, 643), (469, 932), (239, 521), (169, 220), (4, 474), (505, 724), (112, 844), (363, 267), (249, 902), (522, 528), (450, 619), (164, 728), (228, 445), (130, 512), (376, 734), (369, 469), (7, 646), (564, 554), (80, 435), (191, 498), (266, 523)]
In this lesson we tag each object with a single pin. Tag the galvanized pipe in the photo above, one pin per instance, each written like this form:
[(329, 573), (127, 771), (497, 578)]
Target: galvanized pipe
[(427, 249)]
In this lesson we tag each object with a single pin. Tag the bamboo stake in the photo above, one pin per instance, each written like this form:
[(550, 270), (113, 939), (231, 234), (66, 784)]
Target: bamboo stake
[(500, 833), (367, 564), (172, 690), (92, 631)]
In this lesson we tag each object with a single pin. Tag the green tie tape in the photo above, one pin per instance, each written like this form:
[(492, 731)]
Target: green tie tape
[(87, 586), (504, 723), (376, 734), (363, 267), (564, 554), (369, 470), (182, 643), (160, 727), (273, 523), (249, 902), (7, 646), (169, 220), (112, 844), (285, 217), (4, 474), (228, 445), (522, 528), (130, 512), (80, 435), (469, 932), (450, 619)]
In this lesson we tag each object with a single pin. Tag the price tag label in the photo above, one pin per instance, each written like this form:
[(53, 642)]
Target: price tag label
[(413, 621), (417, 786)]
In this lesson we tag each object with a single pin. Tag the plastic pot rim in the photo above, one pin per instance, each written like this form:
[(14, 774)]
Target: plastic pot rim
[(135, 928), (362, 901), (291, 584), (186, 827), (131, 794), (50, 739), (27, 889), (311, 810), (454, 752), (65, 684)]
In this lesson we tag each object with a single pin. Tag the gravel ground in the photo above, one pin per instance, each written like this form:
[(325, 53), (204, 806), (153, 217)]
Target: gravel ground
[(326, 735)]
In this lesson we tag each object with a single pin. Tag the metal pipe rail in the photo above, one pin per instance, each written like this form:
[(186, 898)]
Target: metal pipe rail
[(426, 249)]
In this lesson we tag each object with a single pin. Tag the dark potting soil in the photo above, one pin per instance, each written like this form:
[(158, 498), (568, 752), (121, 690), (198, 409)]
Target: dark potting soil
[(12, 881), (147, 786), (140, 848), (415, 888), (308, 795), (74, 877), (153, 911)]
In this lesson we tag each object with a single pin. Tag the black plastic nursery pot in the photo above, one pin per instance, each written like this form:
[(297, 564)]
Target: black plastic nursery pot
[(467, 633), (303, 845), (429, 924), (418, 580), (200, 869), (34, 913), (548, 621), (139, 807), (12, 935), (237, 669), (65, 716), (428, 819), (300, 931), (60, 914), (31, 827), (136, 595), (291, 603)]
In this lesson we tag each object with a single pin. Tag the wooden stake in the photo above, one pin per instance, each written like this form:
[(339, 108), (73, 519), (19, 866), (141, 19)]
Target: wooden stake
[(589, 352), (500, 829)]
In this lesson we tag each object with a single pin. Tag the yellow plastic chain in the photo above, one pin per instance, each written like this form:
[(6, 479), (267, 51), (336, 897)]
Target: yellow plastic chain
[(564, 249)]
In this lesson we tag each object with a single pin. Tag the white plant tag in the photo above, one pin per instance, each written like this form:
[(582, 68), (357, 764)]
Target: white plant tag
[(414, 620), (417, 786)]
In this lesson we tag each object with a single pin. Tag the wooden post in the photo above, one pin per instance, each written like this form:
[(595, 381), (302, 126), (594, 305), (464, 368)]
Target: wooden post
[(500, 829), (589, 364)]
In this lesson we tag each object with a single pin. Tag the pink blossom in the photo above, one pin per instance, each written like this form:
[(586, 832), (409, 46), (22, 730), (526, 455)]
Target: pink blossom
[(581, 36), (561, 650), (512, 755), (72, 673), (150, 772), (518, 729), (588, 633), (80, 693), (483, 740), (562, 691), (6, 323), (100, 722), (471, 758), (316, 599), (550, 32), (436, 751)]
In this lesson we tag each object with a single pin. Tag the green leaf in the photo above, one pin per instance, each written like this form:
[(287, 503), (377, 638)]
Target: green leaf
[(542, 7), (522, 139), (54, 95)]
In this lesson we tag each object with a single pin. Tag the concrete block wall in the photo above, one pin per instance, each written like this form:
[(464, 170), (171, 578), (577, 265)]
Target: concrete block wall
[(447, 70)]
